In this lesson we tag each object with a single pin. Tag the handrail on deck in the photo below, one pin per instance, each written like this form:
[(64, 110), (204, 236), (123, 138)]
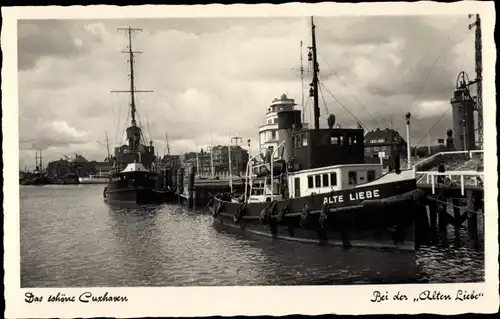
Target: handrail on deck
[(446, 153), (430, 175)]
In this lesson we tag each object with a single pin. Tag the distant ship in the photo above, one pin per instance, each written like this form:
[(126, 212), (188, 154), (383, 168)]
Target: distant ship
[(94, 179), (133, 179)]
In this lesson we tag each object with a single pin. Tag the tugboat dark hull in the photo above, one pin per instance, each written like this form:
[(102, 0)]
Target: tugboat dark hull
[(386, 220), (141, 196)]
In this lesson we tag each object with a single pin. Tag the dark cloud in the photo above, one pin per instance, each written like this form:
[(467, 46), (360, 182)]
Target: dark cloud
[(214, 78), (40, 38)]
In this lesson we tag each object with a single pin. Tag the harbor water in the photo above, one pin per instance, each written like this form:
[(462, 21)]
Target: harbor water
[(71, 238)]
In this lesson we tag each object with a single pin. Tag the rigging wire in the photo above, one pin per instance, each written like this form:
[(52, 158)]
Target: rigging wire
[(324, 101), (361, 123), (352, 93), (440, 119), (117, 119), (428, 74)]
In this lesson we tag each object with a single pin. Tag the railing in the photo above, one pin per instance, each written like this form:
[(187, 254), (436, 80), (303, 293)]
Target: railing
[(446, 153), (220, 176), (431, 178)]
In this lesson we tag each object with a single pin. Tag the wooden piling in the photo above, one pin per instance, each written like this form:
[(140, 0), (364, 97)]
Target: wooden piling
[(457, 221), (180, 184), (442, 220), (471, 216), (191, 187), (433, 213)]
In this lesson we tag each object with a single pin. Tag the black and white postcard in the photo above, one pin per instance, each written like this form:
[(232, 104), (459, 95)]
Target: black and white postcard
[(250, 159)]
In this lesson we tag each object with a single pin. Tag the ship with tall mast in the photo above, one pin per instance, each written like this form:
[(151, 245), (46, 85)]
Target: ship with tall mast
[(133, 179), (319, 189)]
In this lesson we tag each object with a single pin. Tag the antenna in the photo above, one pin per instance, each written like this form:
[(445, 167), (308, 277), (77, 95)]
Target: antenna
[(132, 90)]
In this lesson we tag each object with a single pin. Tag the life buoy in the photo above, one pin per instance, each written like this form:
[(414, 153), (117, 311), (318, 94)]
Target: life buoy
[(239, 213), (304, 216), (323, 216)]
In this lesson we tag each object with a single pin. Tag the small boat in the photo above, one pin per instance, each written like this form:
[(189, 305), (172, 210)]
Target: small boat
[(320, 190), (94, 179)]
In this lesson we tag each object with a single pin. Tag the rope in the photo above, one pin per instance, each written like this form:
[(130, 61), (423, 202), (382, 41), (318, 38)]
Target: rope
[(323, 98), (321, 84), (448, 203), (355, 97), (440, 119), (428, 74)]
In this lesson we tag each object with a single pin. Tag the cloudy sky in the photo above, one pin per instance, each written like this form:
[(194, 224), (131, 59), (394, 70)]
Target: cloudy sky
[(214, 78)]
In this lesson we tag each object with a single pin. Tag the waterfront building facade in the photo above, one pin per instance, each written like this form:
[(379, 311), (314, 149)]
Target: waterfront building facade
[(383, 142), (268, 133)]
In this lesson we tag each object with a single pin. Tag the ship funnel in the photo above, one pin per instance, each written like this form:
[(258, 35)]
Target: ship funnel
[(288, 121)]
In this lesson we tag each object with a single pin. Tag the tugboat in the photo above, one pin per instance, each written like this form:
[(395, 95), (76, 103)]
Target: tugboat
[(320, 190), (133, 177), (134, 185)]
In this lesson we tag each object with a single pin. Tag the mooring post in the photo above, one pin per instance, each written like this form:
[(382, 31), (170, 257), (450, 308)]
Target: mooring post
[(180, 184), (457, 219), (433, 211), (471, 216), (442, 211), (191, 187)]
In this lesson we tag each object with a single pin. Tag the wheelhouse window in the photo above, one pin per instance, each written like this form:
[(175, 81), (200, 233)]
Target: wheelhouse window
[(325, 180), (370, 175), (317, 181), (273, 135), (334, 140), (333, 179), (310, 182), (304, 140), (297, 141), (352, 178)]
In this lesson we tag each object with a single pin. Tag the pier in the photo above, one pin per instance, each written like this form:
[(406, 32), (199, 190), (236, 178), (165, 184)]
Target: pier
[(454, 197)]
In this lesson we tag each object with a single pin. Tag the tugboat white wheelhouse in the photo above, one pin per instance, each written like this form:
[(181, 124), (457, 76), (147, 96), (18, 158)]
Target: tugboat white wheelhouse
[(320, 190)]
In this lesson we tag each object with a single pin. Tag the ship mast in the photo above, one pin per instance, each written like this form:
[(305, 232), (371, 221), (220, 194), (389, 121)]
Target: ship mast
[(131, 53), (302, 81), (313, 91), (107, 148)]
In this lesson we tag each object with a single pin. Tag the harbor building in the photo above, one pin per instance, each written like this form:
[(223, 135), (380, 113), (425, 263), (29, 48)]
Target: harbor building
[(220, 159), (170, 160), (268, 133), (78, 165), (239, 158), (60, 167), (383, 142), (102, 168)]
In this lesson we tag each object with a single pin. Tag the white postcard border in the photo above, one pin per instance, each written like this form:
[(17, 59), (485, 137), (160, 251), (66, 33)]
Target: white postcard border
[(282, 300)]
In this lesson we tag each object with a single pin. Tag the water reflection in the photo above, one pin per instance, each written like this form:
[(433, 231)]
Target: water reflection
[(70, 237)]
